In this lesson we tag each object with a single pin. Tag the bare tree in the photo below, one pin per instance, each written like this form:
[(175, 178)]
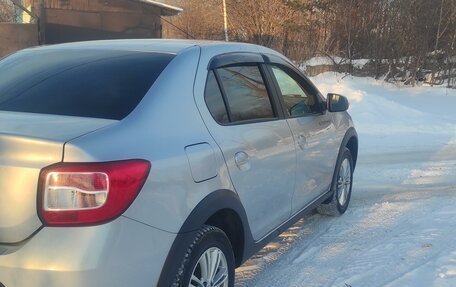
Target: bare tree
[(404, 38), (200, 20), (261, 22)]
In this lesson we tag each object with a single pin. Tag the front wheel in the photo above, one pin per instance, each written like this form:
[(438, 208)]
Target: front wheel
[(341, 186), (209, 261)]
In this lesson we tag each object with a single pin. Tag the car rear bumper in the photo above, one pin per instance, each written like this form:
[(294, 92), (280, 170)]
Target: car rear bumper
[(117, 254)]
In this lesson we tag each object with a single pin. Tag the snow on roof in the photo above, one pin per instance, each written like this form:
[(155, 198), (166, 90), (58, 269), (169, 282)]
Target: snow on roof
[(167, 10)]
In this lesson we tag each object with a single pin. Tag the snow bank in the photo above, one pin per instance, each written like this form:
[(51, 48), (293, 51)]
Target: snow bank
[(319, 61), (389, 117), (400, 227)]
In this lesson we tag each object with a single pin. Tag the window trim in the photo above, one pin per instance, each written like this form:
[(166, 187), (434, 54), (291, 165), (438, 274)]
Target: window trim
[(217, 81), (223, 93), (234, 59), (271, 86)]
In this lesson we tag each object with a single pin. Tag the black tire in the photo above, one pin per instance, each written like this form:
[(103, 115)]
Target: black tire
[(206, 238), (333, 207)]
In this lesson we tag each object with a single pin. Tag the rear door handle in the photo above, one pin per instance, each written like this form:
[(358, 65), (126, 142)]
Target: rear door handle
[(324, 123), (242, 160), (301, 141)]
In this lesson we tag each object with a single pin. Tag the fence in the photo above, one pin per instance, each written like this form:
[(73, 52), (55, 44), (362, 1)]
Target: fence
[(18, 27), (15, 36)]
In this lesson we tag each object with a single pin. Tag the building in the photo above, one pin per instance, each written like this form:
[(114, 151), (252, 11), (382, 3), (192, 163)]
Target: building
[(77, 20), (60, 21)]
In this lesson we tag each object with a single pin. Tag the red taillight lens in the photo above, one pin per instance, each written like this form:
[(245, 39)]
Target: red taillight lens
[(80, 194)]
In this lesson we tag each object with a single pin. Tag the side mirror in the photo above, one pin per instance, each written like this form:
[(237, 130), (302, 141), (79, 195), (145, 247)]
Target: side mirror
[(337, 103)]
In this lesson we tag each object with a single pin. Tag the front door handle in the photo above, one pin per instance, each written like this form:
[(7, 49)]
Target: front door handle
[(301, 141)]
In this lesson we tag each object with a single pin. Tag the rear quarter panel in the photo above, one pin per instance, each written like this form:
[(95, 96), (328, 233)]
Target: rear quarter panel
[(164, 123)]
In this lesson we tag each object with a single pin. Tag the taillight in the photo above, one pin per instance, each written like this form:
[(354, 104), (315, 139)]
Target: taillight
[(81, 194)]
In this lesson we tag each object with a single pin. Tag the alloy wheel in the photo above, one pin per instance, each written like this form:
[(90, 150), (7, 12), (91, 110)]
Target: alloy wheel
[(211, 270), (344, 182)]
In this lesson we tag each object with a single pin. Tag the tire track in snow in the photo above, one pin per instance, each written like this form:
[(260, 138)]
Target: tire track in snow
[(309, 227), (377, 241)]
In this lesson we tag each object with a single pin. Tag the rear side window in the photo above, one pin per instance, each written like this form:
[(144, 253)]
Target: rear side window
[(84, 83), (214, 99), (246, 93)]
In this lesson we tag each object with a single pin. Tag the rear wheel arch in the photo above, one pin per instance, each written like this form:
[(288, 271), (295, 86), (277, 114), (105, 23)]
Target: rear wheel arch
[(222, 209), (230, 222), (207, 259)]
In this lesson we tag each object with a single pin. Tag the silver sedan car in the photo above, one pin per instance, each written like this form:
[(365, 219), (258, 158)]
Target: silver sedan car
[(159, 162)]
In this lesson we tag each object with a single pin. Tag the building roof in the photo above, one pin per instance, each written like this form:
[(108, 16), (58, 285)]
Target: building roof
[(167, 10)]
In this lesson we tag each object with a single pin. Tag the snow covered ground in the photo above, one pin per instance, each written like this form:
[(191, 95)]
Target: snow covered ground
[(317, 61), (400, 228)]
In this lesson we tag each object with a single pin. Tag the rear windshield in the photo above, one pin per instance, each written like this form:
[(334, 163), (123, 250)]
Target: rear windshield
[(84, 83)]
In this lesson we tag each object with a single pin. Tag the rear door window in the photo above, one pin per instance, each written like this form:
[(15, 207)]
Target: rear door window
[(84, 83), (246, 93)]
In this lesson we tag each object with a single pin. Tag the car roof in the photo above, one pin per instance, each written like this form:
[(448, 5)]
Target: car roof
[(148, 45)]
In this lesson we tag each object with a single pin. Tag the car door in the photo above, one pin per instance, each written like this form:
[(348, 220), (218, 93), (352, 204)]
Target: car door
[(313, 131), (256, 143)]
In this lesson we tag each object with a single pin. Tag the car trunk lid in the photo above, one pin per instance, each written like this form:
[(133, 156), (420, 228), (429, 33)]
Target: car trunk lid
[(29, 142)]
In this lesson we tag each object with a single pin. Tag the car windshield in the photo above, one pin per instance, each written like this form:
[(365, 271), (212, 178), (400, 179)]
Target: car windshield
[(85, 83)]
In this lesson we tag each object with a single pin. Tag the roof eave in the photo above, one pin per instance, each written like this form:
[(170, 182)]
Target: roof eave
[(166, 10)]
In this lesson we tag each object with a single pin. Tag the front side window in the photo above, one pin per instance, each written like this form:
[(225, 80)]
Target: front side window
[(246, 93), (298, 102)]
